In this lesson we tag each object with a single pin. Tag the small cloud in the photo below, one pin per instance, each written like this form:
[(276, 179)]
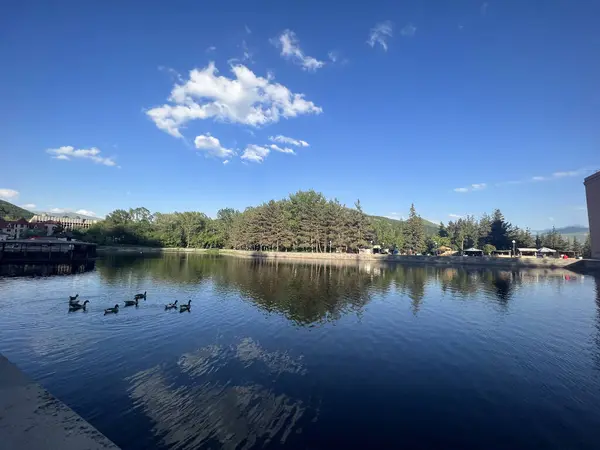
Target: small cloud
[(66, 153), (226, 162), (408, 30), (8, 194), (281, 150), (212, 146), (551, 219), (255, 153), (473, 187), (484, 7), (288, 140), (248, 30), (58, 210), (211, 49), (333, 56), (538, 178), (290, 49), (28, 206), (455, 216), (380, 33), (172, 72), (461, 27)]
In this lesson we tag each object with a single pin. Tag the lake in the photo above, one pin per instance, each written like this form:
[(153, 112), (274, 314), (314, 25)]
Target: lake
[(313, 355)]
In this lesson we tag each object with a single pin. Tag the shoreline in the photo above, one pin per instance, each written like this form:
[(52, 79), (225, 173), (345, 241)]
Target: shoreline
[(580, 266), (32, 418)]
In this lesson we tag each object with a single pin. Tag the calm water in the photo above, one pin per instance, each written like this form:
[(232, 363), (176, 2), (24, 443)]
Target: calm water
[(315, 356)]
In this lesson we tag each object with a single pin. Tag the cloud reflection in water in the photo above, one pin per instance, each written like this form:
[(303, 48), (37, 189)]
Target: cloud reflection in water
[(209, 410)]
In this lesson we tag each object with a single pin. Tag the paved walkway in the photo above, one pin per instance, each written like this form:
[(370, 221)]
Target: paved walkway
[(31, 418)]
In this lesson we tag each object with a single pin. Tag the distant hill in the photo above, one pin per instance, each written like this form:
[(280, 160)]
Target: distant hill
[(430, 227), (9, 210), (569, 232)]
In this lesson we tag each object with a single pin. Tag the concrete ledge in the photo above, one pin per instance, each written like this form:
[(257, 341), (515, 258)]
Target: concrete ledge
[(31, 418)]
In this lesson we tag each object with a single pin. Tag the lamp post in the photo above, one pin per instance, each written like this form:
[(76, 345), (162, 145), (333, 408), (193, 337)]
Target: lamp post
[(514, 249)]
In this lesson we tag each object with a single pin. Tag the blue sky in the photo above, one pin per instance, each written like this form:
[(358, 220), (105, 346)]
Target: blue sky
[(458, 106)]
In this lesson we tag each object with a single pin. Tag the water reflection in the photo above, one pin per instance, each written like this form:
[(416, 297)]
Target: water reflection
[(205, 409), (309, 293)]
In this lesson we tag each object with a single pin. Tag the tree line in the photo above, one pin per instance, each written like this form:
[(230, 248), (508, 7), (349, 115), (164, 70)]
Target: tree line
[(308, 222)]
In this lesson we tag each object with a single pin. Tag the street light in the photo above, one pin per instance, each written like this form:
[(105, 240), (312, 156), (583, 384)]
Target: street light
[(514, 250)]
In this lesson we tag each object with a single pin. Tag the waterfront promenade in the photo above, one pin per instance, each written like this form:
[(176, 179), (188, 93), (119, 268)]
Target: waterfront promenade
[(31, 418)]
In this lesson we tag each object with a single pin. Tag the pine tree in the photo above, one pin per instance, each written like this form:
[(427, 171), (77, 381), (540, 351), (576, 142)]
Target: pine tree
[(414, 232), (576, 247), (442, 231), (500, 231), (587, 247)]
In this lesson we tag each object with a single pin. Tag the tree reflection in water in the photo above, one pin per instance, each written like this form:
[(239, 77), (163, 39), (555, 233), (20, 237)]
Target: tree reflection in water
[(312, 292)]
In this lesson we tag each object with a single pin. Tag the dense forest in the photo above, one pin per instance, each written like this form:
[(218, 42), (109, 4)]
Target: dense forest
[(307, 222)]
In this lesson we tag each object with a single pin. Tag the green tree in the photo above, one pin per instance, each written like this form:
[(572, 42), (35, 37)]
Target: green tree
[(488, 249), (414, 233), (500, 232), (576, 247), (587, 247)]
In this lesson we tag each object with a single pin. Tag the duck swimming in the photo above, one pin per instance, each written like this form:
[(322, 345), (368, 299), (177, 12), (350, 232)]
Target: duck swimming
[(171, 305), (112, 310), (131, 302), (78, 306), (140, 296), (185, 307), (73, 299)]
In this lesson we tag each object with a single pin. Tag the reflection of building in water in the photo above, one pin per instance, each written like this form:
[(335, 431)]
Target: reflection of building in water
[(217, 413)]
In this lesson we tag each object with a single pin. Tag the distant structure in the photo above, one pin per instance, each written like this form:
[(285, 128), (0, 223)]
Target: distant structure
[(592, 191), (68, 223), (15, 229)]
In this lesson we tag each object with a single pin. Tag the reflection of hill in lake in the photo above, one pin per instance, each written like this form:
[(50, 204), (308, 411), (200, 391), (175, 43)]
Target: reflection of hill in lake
[(314, 291)]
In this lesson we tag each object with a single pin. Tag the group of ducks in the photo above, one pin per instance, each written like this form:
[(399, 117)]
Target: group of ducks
[(75, 305)]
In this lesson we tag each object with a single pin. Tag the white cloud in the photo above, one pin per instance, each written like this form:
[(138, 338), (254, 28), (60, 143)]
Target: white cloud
[(8, 194), (333, 56), (86, 212), (551, 219), (248, 30), (58, 210), (290, 48), (484, 7), (282, 150), (380, 33), (288, 140), (212, 146), (226, 162), (28, 206), (68, 152), (210, 49), (255, 153), (473, 187), (536, 179), (455, 216), (408, 30), (246, 99)]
